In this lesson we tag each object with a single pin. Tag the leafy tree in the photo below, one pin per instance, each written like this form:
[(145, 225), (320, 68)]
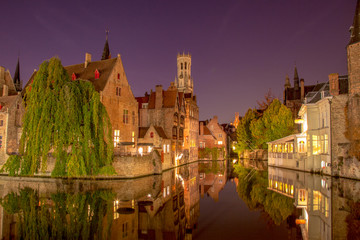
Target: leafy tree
[(65, 118), (276, 122), (244, 136)]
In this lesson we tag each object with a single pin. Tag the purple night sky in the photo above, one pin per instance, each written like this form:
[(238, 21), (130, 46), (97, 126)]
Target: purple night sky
[(240, 48)]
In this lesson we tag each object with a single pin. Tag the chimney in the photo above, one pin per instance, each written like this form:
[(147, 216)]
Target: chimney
[(334, 84), (87, 59), (215, 118), (159, 97), (201, 128), (5, 90), (2, 75), (302, 89)]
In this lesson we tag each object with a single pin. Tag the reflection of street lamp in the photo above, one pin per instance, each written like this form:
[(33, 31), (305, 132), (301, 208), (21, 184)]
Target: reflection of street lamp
[(141, 150)]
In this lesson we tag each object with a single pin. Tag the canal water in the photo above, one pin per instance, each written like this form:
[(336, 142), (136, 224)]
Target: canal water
[(203, 200)]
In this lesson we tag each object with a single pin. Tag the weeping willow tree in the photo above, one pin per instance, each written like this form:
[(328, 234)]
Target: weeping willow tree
[(66, 119)]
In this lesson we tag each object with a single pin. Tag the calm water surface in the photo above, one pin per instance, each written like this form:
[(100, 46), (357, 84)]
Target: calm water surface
[(203, 200)]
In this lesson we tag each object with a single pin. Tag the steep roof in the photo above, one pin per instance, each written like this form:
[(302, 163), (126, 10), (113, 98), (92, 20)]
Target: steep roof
[(104, 67), (159, 130), (168, 97), (143, 131), (355, 28), (142, 100)]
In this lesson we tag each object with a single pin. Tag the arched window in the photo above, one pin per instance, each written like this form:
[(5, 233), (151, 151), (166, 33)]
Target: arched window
[(174, 133), (176, 118), (182, 119), (181, 133)]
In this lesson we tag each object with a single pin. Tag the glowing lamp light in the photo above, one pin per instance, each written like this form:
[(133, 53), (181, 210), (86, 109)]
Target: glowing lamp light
[(141, 150), (299, 121), (300, 221)]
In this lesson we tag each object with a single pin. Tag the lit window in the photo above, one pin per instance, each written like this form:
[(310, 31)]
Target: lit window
[(133, 137), (316, 145), (164, 148), (326, 143), (220, 142), (168, 148), (116, 137), (116, 207)]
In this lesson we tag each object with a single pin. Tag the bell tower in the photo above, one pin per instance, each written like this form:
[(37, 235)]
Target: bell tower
[(184, 81)]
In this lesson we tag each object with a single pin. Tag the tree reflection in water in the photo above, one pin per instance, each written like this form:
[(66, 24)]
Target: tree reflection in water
[(63, 216), (252, 189)]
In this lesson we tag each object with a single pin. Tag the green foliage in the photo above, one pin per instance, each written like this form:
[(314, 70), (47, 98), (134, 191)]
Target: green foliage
[(68, 216), (244, 136), (252, 189), (12, 165), (67, 118), (276, 122), (254, 131)]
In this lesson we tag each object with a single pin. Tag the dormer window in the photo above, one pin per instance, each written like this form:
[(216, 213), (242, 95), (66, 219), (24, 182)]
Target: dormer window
[(73, 76), (97, 74)]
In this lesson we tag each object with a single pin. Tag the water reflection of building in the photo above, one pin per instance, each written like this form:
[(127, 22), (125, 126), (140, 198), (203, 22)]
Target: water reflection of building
[(212, 178), (311, 194), (154, 207)]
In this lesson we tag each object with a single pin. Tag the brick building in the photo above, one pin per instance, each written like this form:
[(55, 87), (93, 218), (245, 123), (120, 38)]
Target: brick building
[(109, 79), (212, 135), (165, 109), (174, 110), (11, 112)]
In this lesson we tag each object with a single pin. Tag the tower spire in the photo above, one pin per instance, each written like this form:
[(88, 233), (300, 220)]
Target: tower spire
[(17, 81), (287, 82), (355, 28), (106, 52), (296, 79)]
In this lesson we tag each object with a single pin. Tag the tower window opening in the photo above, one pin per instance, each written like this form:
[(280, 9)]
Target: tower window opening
[(185, 65), (181, 66)]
